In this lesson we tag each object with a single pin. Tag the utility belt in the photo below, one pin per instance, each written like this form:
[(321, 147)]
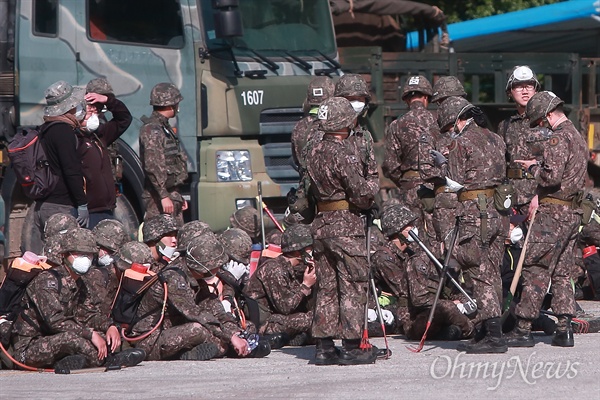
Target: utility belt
[(335, 205), (440, 189), (411, 174), (518, 173), (472, 194), (553, 200)]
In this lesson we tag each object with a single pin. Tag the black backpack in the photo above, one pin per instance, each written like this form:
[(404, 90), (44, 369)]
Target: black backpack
[(28, 159)]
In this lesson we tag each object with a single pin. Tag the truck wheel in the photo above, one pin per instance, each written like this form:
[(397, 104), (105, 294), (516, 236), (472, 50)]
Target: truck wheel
[(125, 213)]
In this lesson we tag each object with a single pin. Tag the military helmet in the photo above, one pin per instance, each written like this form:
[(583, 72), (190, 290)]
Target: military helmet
[(351, 85), (416, 84), (59, 222), (246, 219), (336, 113), (319, 89), (78, 240), (522, 74), (295, 238), (451, 109), (540, 104), (100, 86), (274, 237), (237, 244), (165, 94), (445, 87), (205, 253), (189, 230), (395, 218), (62, 97), (157, 227), (52, 248), (110, 234), (133, 252)]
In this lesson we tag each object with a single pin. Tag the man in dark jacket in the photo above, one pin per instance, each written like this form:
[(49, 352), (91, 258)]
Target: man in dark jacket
[(97, 135)]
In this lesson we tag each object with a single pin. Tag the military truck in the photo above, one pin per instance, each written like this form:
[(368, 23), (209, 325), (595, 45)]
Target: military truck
[(242, 67)]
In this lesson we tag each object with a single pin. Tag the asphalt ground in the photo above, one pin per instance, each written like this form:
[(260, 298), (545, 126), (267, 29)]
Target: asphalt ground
[(438, 371)]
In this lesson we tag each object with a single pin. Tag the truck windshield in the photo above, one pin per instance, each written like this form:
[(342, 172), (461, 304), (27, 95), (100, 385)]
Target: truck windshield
[(294, 25)]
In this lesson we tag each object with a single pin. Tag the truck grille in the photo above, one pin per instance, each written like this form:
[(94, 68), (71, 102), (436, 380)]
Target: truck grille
[(276, 127)]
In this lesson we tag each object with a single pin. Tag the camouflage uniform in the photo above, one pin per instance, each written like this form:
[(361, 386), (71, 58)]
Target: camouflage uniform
[(153, 231), (47, 330), (163, 160), (560, 176), (56, 225), (340, 187)]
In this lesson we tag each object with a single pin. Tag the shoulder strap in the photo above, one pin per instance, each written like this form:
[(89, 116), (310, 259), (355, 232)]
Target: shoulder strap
[(58, 278)]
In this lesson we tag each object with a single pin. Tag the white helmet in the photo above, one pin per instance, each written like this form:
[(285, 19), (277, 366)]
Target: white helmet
[(522, 73)]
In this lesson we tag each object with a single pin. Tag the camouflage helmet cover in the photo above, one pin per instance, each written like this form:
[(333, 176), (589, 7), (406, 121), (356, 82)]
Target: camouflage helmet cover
[(445, 87), (319, 89), (451, 109), (522, 74), (395, 218), (59, 222), (237, 244), (62, 97), (133, 252), (165, 94), (295, 238), (110, 234), (189, 230), (157, 227), (246, 219), (351, 85), (336, 113), (78, 240), (205, 254), (540, 104), (416, 84), (100, 86)]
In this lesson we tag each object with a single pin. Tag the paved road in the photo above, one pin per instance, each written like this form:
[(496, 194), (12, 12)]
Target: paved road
[(439, 371)]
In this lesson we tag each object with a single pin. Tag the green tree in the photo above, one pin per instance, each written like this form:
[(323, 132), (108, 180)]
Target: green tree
[(457, 11)]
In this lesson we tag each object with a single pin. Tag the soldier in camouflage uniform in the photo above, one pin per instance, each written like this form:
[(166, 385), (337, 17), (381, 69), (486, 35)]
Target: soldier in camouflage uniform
[(521, 86), (163, 160), (476, 161), (402, 140), (56, 225), (560, 175), (248, 220), (283, 299), (445, 87), (342, 191), (160, 234), (47, 332)]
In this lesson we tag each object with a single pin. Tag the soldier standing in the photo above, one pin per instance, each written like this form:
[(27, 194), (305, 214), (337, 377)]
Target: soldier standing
[(163, 160), (340, 187), (560, 176), (476, 162)]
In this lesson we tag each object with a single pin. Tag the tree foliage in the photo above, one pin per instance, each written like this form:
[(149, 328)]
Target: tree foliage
[(457, 11)]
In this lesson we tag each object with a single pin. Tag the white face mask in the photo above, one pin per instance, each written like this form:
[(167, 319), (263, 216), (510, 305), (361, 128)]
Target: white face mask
[(358, 106), (415, 230), (105, 260), (80, 112), (516, 234), (81, 265), (166, 251), (92, 123)]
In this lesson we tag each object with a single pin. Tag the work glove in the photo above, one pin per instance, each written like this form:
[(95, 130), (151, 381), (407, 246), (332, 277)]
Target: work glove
[(438, 158), (235, 268), (371, 315), (387, 316), (453, 186), (83, 216)]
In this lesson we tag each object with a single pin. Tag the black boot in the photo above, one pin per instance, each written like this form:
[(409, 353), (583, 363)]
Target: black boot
[(262, 350), (479, 335), (202, 352), (298, 340), (521, 335), (277, 340), (449, 333), (125, 358), (351, 354), (544, 323), (69, 363), (326, 353), (493, 342), (563, 337)]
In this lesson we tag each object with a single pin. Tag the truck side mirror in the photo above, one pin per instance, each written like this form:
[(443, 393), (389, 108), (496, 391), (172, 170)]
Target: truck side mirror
[(228, 21)]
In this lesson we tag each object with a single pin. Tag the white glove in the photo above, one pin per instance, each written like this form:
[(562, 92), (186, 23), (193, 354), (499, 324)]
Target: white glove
[(235, 268), (453, 186), (371, 315), (226, 305), (461, 308), (388, 317)]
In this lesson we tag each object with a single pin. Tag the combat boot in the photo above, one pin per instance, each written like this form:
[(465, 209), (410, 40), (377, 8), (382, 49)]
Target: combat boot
[(351, 354), (299, 339), (277, 340), (493, 342), (70, 363), (202, 352), (125, 358), (326, 353), (563, 337), (477, 337), (449, 333), (521, 335), (263, 349)]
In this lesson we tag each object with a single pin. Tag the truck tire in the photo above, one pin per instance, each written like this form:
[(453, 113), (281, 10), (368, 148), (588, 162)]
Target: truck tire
[(125, 213)]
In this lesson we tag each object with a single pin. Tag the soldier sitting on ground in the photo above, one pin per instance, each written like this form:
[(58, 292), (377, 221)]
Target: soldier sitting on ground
[(160, 234)]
